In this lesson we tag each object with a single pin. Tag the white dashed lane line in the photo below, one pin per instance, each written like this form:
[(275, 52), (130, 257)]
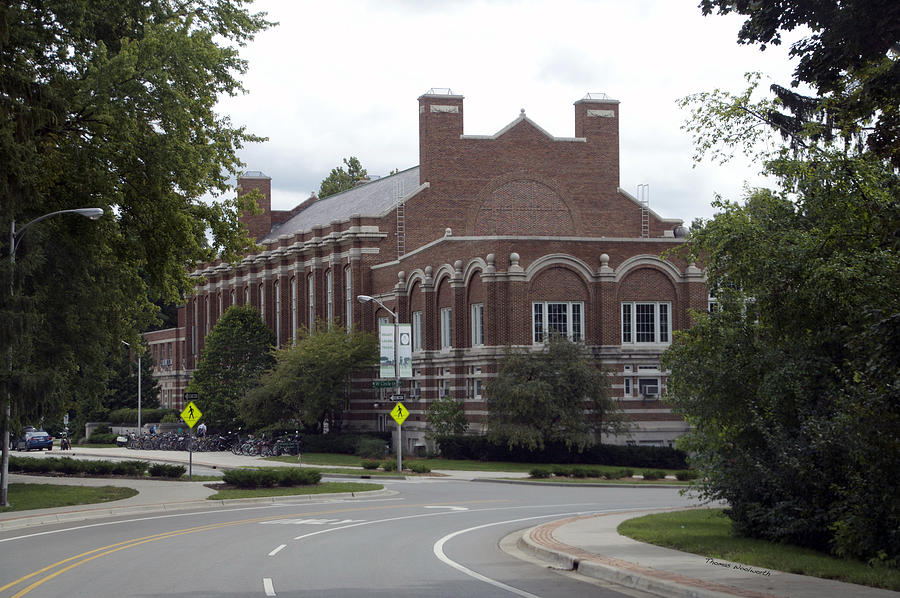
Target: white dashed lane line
[(277, 550), (268, 587)]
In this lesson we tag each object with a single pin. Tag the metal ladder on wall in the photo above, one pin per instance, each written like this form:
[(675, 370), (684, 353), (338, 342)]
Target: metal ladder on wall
[(401, 219), (643, 197)]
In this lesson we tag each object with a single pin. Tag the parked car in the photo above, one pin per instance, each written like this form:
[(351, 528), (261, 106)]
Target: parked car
[(34, 439)]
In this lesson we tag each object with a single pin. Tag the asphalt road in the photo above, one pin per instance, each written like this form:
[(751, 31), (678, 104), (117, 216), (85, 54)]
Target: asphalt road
[(433, 538)]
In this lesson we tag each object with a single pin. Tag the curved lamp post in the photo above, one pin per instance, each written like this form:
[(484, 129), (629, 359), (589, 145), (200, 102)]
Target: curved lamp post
[(14, 238), (366, 299)]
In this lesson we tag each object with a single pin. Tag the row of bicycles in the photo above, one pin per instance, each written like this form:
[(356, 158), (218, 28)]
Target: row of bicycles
[(262, 446)]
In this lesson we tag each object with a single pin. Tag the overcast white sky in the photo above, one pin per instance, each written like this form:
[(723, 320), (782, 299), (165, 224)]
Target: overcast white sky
[(341, 78)]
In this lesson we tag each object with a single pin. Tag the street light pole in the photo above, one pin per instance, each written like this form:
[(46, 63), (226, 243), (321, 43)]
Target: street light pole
[(14, 236), (366, 299), (139, 389)]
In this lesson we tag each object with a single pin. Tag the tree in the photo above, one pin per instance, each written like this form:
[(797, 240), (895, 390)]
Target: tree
[(555, 394), (849, 58), (446, 417), (790, 384), (109, 104), (238, 351), (342, 180), (310, 385)]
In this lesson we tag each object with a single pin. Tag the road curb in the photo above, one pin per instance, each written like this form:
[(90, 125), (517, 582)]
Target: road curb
[(634, 577), (575, 485)]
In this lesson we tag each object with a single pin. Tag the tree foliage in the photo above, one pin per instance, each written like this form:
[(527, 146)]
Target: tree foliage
[(554, 394), (446, 417), (238, 351), (849, 58), (310, 385), (341, 180), (791, 383), (110, 104)]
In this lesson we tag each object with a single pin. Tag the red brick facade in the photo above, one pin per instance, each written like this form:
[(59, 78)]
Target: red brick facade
[(530, 229)]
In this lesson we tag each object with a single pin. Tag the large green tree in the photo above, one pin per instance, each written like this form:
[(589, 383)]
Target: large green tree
[(847, 56), (238, 351), (791, 383), (342, 180), (446, 416), (109, 103), (310, 385), (554, 394)]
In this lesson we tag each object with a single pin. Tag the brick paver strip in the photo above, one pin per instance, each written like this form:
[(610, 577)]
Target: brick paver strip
[(543, 535)]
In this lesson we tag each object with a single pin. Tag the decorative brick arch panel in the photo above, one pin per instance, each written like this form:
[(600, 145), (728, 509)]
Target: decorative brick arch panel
[(522, 204), (647, 283), (474, 289), (559, 283), (416, 300)]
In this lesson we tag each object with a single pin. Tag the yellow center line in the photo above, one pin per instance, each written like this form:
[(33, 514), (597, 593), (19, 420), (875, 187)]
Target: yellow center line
[(112, 548)]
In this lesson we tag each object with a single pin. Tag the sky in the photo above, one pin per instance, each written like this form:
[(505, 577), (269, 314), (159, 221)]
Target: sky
[(341, 78)]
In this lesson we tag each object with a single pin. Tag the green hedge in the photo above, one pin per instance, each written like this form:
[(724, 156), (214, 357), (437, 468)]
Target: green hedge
[(102, 438), (267, 477), (347, 444), (165, 470), (129, 416), (70, 466), (479, 448)]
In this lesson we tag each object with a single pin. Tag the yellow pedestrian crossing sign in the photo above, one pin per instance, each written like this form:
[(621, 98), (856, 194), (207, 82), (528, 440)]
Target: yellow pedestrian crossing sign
[(191, 414), (399, 413)]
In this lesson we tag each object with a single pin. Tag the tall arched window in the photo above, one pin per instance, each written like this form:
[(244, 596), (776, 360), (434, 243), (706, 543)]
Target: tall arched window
[(277, 314), (294, 322), (329, 297), (348, 299), (311, 301), (262, 301)]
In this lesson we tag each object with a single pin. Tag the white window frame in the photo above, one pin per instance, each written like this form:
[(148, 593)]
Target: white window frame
[(477, 324), (417, 331), (660, 322), (653, 382), (626, 387), (446, 328), (573, 311)]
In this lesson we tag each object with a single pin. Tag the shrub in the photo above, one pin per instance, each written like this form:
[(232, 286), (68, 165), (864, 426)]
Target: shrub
[(370, 464), (389, 465), (562, 471), (539, 473), (580, 472), (272, 476), (654, 475), (102, 438), (417, 467), (370, 448), (686, 475), (166, 470), (69, 466), (242, 478), (618, 474)]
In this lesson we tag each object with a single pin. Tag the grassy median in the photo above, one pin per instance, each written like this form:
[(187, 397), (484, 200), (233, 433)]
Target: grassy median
[(24, 497), (707, 532), (321, 488)]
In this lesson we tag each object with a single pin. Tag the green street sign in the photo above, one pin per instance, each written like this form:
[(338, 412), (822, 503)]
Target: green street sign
[(384, 383)]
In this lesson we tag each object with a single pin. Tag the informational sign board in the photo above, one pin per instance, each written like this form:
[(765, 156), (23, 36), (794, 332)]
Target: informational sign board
[(191, 414), (399, 413), (386, 338), (386, 342)]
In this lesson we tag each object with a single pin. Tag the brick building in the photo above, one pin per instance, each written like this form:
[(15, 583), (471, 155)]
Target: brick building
[(491, 241)]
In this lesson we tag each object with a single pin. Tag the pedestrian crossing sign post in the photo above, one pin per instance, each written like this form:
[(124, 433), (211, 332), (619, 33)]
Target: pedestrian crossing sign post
[(399, 413), (191, 414)]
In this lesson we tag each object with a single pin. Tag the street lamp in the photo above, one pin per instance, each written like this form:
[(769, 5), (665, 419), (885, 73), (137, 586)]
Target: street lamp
[(366, 299), (14, 238), (139, 387)]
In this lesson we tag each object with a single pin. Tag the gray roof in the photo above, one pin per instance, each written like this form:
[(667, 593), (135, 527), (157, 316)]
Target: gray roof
[(374, 198)]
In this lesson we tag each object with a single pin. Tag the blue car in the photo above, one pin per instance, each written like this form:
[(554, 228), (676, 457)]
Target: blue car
[(35, 439)]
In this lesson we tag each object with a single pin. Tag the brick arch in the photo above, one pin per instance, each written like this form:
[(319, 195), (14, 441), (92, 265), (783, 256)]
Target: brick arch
[(520, 203), (647, 283), (558, 282)]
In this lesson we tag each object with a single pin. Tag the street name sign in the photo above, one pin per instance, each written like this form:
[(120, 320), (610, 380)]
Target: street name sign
[(384, 383)]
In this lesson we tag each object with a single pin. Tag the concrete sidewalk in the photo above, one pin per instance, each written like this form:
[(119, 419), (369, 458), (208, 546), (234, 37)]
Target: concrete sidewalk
[(591, 546)]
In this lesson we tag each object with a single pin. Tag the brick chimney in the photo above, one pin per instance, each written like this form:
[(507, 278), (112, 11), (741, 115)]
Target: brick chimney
[(440, 125), (259, 225), (597, 120)]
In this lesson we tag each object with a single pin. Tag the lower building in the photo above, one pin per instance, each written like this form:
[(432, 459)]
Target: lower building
[(492, 241)]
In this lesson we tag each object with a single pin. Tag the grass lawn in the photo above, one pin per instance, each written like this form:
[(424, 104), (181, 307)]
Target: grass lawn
[(24, 497), (322, 488), (707, 532)]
